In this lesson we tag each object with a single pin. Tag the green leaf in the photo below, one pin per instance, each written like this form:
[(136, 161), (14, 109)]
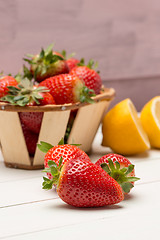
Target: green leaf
[(105, 167), (90, 63), (49, 48), (28, 60), (61, 142), (77, 145), (49, 57), (17, 98), (64, 54), (27, 73), (81, 63), (129, 169), (30, 55), (13, 89), (117, 165), (42, 54), (44, 146), (47, 183), (60, 161), (126, 186), (35, 99), (52, 163), (55, 58), (54, 171), (22, 102), (111, 165), (132, 179)]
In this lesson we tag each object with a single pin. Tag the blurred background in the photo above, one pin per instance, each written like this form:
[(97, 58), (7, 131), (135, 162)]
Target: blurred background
[(123, 36)]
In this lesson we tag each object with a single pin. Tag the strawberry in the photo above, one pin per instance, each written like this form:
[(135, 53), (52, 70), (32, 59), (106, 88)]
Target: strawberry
[(25, 93), (66, 88), (46, 64), (72, 62), (32, 120), (120, 168), (31, 139), (66, 151), (4, 83), (81, 183), (28, 94), (46, 99), (90, 77)]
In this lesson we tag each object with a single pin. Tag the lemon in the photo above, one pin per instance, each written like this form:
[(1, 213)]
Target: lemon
[(122, 130), (150, 118)]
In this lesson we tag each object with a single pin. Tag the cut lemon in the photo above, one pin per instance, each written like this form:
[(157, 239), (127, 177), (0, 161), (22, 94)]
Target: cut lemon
[(123, 131), (150, 118)]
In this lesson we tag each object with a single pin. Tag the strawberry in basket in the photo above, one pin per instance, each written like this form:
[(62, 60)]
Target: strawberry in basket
[(89, 76), (26, 94), (46, 64)]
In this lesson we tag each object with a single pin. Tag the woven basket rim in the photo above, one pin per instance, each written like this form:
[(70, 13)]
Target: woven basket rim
[(108, 94)]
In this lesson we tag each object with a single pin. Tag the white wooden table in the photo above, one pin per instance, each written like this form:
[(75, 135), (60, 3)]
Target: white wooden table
[(27, 212)]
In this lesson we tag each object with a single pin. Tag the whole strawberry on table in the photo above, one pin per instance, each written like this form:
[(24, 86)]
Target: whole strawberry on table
[(81, 183)]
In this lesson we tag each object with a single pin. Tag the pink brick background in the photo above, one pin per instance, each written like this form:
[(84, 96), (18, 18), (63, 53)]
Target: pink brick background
[(123, 36)]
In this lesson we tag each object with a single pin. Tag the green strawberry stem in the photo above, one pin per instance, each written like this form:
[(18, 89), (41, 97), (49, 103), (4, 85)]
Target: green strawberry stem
[(120, 174), (91, 64), (64, 54), (43, 60), (86, 94), (24, 93), (55, 172)]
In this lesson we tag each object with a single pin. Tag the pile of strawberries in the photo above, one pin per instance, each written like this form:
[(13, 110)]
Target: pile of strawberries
[(51, 78), (81, 183)]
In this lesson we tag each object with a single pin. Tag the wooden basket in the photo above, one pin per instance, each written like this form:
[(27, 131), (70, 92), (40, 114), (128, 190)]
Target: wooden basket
[(54, 123)]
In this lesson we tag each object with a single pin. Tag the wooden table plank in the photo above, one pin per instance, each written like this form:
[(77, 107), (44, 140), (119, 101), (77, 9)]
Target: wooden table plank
[(133, 216)]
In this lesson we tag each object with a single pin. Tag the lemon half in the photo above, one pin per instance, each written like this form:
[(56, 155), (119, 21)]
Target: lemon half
[(150, 118), (122, 130)]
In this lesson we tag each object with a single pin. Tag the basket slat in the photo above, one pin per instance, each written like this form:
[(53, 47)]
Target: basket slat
[(86, 124), (12, 140), (56, 124)]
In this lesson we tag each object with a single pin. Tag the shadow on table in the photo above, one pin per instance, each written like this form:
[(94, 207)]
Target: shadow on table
[(109, 207)]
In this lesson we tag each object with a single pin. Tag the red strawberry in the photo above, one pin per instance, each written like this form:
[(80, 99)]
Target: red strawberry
[(66, 151), (120, 168), (66, 88), (32, 120), (31, 139), (4, 83), (81, 183), (27, 94), (47, 64), (72, 62), (90, 77), (47, 98)]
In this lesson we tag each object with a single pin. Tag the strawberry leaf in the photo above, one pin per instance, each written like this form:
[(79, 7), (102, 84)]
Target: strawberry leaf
[(44, 146), (61, 142), (86, 94), (49, 49), (126, 186), (120, 174), (47, 183)]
